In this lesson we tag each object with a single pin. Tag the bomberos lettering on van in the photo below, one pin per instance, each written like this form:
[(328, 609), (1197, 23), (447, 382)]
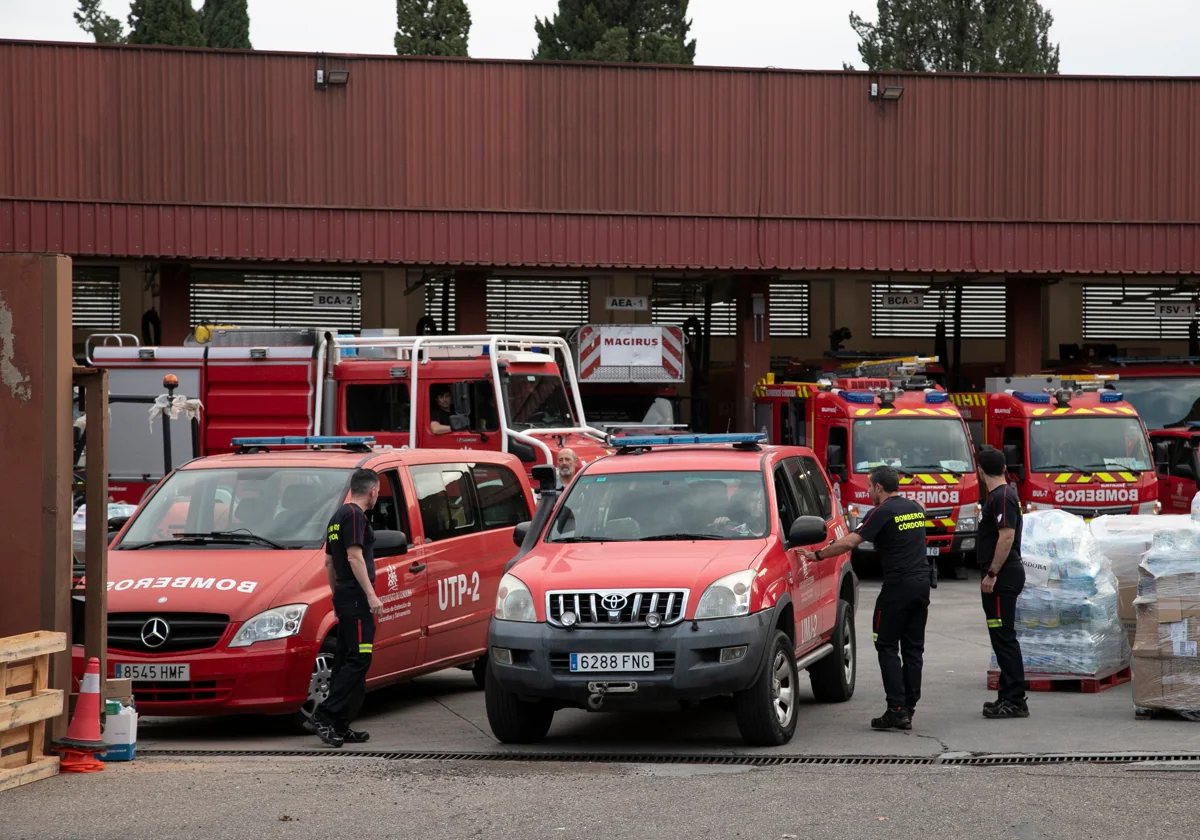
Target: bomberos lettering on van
[(1097, 494), (219, 584), (932, 497)]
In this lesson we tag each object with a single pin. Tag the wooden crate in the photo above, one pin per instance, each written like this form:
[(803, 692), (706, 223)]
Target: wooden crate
[(25, 706)]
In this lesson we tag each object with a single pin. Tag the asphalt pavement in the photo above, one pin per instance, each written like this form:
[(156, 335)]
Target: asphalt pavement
[(298, 799), (444, 712)]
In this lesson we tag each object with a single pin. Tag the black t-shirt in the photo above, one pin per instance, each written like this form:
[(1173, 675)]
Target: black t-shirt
[(897, 528), (349, 527), (1001, 509), (439, 416)]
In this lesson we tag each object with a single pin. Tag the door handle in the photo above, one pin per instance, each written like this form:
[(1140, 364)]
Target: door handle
[(415, 568)]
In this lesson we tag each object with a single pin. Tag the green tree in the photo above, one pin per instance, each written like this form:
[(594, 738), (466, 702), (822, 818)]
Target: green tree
[(643, 31), (171, 22), (105, 28), (432, 27), (226, 24), (970, 36)]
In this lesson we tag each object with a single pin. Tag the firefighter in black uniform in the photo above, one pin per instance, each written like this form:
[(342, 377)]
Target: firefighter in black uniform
[(896, 526), (350, 567), (1003, 580)]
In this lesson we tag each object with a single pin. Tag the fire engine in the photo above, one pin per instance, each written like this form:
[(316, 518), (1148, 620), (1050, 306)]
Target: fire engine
[(1071, 443), (1164, 390), (506, 393), (883, 413), (628, 375)]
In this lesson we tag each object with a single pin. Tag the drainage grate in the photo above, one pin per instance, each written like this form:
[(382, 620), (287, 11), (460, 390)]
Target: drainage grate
[(1067, 758), (753, 760)]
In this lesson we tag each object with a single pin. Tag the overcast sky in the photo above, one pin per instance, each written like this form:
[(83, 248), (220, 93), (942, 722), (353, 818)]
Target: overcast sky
[(1123, 37)]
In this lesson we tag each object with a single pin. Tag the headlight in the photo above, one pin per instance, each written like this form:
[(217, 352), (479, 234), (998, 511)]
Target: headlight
[(1033, 507), (727, 597), (967, 523), (277, 623), (1158, 507), (514, 602), (855, 514)]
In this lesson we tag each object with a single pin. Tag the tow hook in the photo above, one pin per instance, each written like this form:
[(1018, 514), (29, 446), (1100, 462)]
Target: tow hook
[(598, 691)]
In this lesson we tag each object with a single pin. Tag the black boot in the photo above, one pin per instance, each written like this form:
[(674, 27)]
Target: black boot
[(897, 718), (1006, 709)]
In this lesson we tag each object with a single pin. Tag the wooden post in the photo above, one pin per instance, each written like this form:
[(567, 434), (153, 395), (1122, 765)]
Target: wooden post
[(95, 381)]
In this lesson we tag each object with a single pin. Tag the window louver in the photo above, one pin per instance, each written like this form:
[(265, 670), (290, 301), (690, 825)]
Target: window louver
[(273, 300), (536, 306), (983, 311), (96, 298), (1112, 312)]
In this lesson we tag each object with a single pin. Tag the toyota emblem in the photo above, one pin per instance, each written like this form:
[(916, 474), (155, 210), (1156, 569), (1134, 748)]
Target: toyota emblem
[(155, 632), (613, 602)]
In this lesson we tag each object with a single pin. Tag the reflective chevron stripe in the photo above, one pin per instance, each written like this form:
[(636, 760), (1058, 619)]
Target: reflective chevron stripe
[(1106, 478), (949, 478), (1127, 476), (1062, 478)]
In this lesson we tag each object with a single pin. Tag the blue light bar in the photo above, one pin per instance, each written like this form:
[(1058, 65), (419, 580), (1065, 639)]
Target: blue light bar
[(1030, 397), (936, 398), (1111, 396), (685, 440), (861, 397), (362, 440)]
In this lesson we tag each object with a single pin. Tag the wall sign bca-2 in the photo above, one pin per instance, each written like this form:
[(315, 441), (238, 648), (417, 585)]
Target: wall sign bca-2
[(630, 353)]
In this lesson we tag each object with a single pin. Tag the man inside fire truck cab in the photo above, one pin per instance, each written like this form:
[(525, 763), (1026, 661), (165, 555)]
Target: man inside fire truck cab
[(440, 410)]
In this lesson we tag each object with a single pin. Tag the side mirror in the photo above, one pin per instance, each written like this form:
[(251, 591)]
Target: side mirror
[(545, 478), (461, 392), (806, 530), (519, 533), (390, 544), (1013, 457), (523, 451), (835, 459), (1162, 455), (117, 523), (458, 422)]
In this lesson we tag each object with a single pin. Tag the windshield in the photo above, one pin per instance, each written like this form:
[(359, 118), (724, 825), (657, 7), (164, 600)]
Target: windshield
[(926, 444), (536, 401), (288, 506), (1080, 444), (630, 409), (1163, 401), (716, 505)]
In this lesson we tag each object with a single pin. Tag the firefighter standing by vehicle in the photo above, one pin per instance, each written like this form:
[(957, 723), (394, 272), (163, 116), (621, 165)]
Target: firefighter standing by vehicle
[(1003, 580), (896, 525), (350, 566)]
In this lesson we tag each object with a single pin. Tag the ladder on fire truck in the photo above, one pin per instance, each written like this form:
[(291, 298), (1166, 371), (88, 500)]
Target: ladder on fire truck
[(885, 368), (421, 349)]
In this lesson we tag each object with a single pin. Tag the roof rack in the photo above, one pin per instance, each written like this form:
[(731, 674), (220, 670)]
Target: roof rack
[(248, 446), (625, 443)]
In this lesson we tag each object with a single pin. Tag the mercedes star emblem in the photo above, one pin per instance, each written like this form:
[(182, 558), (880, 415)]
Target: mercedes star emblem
[(613, 602), (155, 632)]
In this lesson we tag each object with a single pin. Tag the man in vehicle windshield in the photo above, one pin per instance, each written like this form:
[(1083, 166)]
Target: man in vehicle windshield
[(896, 525), (439, 413), (566, 464), (1003, 580), (350, 567)]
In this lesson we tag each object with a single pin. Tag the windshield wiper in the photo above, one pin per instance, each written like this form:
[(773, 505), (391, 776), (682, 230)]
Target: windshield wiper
[(161, 543), (937, 468), (1117, 468), (661, 537), (580, 539), (1067, 467), (231, 537)]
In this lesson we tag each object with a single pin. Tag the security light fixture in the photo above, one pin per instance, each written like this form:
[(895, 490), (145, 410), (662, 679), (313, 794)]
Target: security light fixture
[(881, 94), (341, 77), (892, 92), (331, 78)]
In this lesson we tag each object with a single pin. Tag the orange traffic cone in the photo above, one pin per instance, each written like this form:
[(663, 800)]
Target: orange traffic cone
[(83, 739)]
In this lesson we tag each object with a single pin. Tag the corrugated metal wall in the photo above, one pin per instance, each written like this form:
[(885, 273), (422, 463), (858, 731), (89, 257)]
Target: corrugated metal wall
[(130, 125)]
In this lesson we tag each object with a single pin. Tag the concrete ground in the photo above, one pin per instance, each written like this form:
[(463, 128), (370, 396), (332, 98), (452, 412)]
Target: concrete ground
[(444, 712), (298, 799)]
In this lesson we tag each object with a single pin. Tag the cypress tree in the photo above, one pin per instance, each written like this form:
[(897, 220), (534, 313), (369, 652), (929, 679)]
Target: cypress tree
[(171, 22), (432, 27), (646, 31), (105, 28), (226, 24)]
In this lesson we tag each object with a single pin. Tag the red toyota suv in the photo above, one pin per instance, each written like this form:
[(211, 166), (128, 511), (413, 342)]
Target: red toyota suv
[(670, 571)]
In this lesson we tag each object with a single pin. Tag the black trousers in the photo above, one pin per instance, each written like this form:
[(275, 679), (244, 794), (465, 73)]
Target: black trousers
[(899, 632), (352, 659), (1000, 610)]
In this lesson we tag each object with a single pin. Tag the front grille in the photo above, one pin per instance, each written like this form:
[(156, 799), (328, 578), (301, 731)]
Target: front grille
[(636, 605), (181, 692), (187, 631), (1093, 512), (939, 513), (664, 663)]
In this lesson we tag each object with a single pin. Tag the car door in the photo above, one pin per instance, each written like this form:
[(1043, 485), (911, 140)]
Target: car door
[(450, 521), (814, 498), (400, 583), (1177, 483), (805, 590)]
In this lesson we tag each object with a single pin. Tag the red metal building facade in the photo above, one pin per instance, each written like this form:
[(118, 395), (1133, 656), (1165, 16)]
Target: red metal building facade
[(190, 154)]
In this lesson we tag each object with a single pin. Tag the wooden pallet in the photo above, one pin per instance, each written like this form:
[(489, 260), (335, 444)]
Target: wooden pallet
[(1066, 682), (25, 705)]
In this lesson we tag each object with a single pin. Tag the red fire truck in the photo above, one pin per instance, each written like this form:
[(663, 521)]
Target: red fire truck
[(887, 414), (1070, 443), (1164, 390), (507, 393), (628, 375)]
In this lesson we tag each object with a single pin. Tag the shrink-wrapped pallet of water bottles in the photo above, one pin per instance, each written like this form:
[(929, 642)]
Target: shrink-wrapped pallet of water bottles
[(1156, 560), (1067, 615)]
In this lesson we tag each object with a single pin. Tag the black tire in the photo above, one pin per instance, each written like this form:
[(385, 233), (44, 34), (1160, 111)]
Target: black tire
[(766, 712), (513, 720), (479, 671), (318, 686), (833, 677)]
